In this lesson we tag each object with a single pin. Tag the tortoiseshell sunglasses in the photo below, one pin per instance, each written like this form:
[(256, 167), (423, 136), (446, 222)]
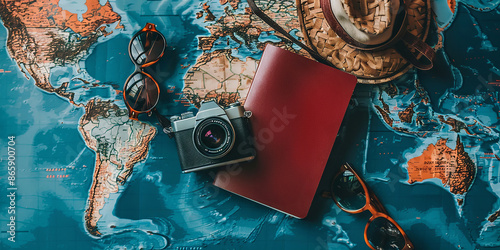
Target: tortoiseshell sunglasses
[(352, 195), (141, 91)]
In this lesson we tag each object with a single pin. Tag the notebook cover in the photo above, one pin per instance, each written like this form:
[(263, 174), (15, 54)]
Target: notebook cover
[(298, 106)]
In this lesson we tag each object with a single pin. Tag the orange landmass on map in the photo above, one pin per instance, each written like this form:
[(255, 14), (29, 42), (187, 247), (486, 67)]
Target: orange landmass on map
[(249, 28), (452, 4), (95, 16), (48, 14), (494, 216), (210, 16), (384, 110), (456, 125), (421, 92), (119, 144), (453, 167), (218, 74), (37, 38), (234, 4), (407, 114)]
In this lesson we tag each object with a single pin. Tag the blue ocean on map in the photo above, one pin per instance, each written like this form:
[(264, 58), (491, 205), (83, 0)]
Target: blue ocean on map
[(158, 207)]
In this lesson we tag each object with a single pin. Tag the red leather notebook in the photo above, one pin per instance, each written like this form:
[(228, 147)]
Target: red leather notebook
[(298, 106)]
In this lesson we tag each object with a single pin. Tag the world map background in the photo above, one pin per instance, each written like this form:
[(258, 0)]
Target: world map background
[(71, 133)]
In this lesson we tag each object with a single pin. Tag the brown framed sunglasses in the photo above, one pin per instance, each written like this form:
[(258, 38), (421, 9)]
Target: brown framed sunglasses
[(141, 92), (352, 195)]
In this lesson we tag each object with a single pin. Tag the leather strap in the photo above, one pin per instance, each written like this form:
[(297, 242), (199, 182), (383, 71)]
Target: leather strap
[(411, 41), (256, 10), (165, 123)]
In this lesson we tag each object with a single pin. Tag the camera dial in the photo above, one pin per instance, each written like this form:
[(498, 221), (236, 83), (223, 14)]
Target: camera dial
[(234, 104), (175, 118), (187, 114)]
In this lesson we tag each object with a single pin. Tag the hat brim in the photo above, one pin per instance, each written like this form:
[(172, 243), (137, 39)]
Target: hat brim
[(370, 67)]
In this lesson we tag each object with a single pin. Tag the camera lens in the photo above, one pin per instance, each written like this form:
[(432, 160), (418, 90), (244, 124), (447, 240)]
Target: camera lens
[(214, 137)]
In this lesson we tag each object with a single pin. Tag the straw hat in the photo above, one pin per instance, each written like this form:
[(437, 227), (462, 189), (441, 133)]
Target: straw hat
[(375, 40)]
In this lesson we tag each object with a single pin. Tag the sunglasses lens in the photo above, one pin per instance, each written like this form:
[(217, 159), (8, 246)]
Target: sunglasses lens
[(348, 191), (147, 47), (383, 234), (141, 92)]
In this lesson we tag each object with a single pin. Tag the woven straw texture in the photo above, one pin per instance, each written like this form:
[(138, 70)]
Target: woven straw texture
[(370, 67), (370, 16)]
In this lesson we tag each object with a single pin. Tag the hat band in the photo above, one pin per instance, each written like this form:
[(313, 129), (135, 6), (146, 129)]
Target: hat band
[(401, 22)]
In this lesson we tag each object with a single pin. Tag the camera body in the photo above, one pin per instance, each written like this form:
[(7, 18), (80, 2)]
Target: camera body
[(216, 136)]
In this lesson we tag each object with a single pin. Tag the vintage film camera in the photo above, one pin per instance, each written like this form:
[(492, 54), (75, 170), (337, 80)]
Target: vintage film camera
[(216, 136)]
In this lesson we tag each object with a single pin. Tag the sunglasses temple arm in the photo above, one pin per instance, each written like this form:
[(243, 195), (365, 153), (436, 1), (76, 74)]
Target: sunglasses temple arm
[(165, 123)]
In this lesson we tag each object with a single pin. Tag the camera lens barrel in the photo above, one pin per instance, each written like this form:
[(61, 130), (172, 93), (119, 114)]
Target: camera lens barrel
[(214, 137)]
